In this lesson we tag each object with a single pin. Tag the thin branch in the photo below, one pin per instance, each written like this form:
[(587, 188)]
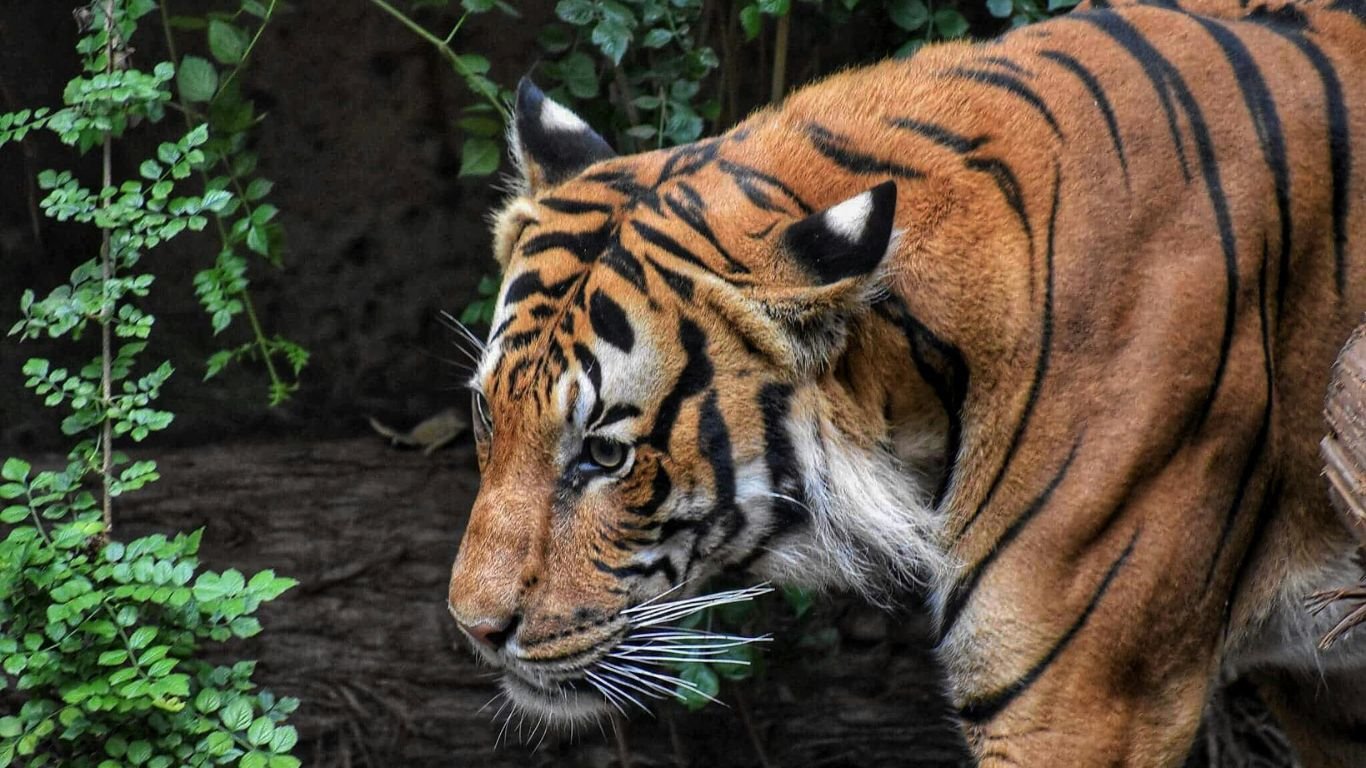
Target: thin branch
[(443, 46), (106, 309)]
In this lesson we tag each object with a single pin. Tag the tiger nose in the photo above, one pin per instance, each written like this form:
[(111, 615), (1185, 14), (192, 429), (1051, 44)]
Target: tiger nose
[(493, 634)]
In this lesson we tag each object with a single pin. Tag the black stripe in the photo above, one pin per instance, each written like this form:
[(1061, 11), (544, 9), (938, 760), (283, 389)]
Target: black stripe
[(943, 367), (1040, 364), (939, 134), (984, 709), (839, 150), (678, 283), (1009, 186), (1098, 96), (610, 323), (503, 326), (660, 488), (1014, 87), (588, 363), (624, 263), (1153, 67), (574, 207), (693, 214), (1005, 63), (586, 246), (662, 565), (789, 510), (746, 177), (522, 286), (1165, 78), (695, 377), (671, 246), (963, 591), (1339, 138), (688, 159), (1262, 108), (1254, 455)]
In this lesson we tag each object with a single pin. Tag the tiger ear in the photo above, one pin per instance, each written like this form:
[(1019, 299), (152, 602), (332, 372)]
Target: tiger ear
[(842, 250), (551, 143)]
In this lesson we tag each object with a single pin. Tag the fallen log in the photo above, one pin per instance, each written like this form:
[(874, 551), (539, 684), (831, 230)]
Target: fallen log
[(1344, 457)]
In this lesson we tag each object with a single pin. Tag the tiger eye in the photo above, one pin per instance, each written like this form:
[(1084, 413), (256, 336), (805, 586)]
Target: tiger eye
[(607, 454)]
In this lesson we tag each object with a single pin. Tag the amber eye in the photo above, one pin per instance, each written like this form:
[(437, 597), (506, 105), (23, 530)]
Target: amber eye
[(604, 454)]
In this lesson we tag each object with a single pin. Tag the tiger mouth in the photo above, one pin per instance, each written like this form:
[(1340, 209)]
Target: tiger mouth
[(634, 666)]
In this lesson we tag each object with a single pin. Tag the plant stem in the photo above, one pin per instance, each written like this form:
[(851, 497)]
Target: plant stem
[(780, 57), (242, 62), (106, 310), (450, 55), (259, 337)]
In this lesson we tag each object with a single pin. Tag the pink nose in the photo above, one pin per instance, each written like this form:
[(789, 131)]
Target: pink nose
[(492, 634)]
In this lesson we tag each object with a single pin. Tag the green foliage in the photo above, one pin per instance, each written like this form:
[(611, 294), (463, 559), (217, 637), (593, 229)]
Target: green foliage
[(99, 639)]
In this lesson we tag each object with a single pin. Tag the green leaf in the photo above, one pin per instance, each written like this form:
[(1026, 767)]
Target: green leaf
[(10, 727), (910, 15), (112, 658), (477, 6), (478, 157), (579, 75), (284, 739), (254, 759), (197, 79), (227, 43), (259, 188), (139, 752), (576, 12), (555, 38), (237, 715), (141, 637), (612, 38), (752, 21), (260, 731), (705, 685), (15, 469), (950, 23), (208, 701), (284, 761), (657, 38), (483, 127)]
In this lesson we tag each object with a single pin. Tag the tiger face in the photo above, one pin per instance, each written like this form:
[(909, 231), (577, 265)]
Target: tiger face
[(646, 407)]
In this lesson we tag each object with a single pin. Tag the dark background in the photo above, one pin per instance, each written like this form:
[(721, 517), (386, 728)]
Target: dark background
[(359, 137)]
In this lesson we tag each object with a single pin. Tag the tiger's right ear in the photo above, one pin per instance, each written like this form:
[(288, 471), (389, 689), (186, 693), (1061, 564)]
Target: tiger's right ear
[(550, 143), (842, 251)]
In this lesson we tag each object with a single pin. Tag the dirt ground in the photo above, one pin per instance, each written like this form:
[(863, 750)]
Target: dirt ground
[(366, 643)]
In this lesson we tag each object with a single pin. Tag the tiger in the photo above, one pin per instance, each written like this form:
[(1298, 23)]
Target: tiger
[(1038, 328)]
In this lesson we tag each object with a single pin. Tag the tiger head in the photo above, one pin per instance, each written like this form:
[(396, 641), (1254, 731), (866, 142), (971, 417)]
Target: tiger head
[(653, 406)]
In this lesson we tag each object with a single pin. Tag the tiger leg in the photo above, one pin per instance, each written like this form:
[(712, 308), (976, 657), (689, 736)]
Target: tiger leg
[(1091, 638)]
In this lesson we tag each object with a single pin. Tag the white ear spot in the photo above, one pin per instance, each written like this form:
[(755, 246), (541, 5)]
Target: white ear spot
[(557, 118), (850, 218)]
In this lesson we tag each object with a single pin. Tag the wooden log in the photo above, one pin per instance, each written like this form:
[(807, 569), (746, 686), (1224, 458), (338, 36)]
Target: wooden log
[(1344, 459), (1344, 447)]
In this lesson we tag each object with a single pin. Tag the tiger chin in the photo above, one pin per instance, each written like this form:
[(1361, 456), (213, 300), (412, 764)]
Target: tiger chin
[(1040, 328)]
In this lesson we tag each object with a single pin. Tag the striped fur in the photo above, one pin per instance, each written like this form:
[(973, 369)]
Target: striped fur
[(1042, 325)]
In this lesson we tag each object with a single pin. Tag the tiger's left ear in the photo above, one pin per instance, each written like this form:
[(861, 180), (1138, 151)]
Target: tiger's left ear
[(842, 250), (550, 143)]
